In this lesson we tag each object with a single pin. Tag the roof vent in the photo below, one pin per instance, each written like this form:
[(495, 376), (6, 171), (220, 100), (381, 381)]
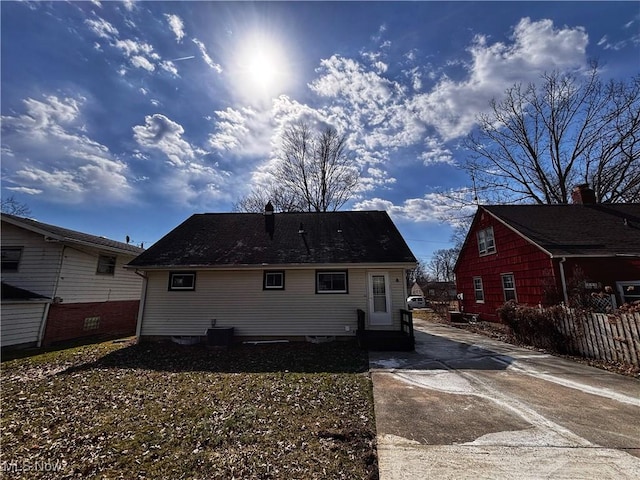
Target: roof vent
[(583, 195)]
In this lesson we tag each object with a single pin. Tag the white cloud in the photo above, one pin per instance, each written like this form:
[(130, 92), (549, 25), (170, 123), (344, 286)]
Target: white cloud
[(139, 61), (177, 26), (129, 5), (451, 107), (26, 190), (53, 156), (436, 152), (170, 67), (102, 28), (140, 54), (186, 170), (450, 207), (161, 133), (206, 57)]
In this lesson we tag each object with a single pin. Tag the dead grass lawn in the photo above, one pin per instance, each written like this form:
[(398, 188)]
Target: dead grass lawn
[(164, 411)]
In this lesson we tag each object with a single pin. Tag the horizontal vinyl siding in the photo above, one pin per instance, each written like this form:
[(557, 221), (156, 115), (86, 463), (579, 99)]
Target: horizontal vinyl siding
[(79, 282), (39, 263), (20, 322), (236, 298)]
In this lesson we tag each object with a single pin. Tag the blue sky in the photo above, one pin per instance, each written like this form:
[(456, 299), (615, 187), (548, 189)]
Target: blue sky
[(124, 118)]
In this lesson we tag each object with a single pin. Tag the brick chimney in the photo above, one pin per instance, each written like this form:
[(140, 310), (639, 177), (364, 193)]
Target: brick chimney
[(583, 195), (269, 220)]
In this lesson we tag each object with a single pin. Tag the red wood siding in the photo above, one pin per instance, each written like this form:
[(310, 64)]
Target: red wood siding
[(604, 271), (531, 267)]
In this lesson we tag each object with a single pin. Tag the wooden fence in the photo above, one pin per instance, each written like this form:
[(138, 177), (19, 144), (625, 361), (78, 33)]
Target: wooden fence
[(615, 338)]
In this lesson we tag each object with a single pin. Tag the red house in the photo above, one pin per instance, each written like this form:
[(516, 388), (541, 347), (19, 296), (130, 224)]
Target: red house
[(547, 254)]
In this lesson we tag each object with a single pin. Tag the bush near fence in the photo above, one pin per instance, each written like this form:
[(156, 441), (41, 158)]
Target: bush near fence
[(612, 337)]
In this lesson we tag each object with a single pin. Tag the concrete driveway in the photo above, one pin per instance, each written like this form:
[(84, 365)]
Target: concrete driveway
[(466, 406)]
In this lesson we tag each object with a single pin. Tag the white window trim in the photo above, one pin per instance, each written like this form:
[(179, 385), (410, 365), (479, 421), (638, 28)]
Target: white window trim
[(504, 289), (273, 287), (183, 274), (333, 272), (476, 290), (482, 237)]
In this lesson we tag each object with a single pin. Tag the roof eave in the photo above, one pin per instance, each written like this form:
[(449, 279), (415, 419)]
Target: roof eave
[(49, 235), (274, 266), (518, 232), (596, 255)]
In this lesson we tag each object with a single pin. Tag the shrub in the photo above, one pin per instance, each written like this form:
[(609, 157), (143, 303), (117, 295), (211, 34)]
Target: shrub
[(535, 327)]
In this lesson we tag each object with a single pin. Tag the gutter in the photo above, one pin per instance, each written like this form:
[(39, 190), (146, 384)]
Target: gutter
[(281, 266), (563, 280), (143, 298), (45, 316)]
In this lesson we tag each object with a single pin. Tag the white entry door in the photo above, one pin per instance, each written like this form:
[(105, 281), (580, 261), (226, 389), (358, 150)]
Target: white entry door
[(379, 299)]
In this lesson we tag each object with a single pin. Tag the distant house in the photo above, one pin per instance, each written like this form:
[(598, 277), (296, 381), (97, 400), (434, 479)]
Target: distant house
[(274, 276), (545, 254), (59, 284), (439, 291)]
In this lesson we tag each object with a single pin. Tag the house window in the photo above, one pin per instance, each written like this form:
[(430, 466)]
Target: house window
[(478, 290), (106, 265), (332, 282), (273, 280), (182, 281), (509, 287), (11, 259), (92, 323), (486, 242), (629, 291)]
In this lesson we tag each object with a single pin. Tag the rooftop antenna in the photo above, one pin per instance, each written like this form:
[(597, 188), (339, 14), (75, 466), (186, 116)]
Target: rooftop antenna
[(475, 190)]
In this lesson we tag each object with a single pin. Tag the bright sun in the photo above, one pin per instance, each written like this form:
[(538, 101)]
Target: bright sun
[(261, 67)]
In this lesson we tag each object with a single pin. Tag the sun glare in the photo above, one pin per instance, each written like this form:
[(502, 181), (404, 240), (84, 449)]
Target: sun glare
[(261, 68)]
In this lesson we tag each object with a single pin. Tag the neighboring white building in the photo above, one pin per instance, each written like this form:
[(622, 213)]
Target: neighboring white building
[(275, 276), (60, 284)]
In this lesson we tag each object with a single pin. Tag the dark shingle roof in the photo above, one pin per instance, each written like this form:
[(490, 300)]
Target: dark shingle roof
[(64, 234), (9, 292), (226, 239), (576, 230)]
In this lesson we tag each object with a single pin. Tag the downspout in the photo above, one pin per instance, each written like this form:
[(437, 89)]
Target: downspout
[(143, 298), (563, 281), (45, 316)]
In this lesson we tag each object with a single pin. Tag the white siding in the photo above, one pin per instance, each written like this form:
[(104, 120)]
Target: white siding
[(39, 263), (20, 322), (79, 282), (236, 298)]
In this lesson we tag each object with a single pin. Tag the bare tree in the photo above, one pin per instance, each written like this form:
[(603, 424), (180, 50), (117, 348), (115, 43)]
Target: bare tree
[(417, 275), (281, 199), (14, 207), (540, 141), (441, 265), (314, 172)]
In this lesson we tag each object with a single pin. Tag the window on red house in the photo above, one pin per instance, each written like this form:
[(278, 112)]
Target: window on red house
[(478, 290), (509, 287), (486, 242)]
